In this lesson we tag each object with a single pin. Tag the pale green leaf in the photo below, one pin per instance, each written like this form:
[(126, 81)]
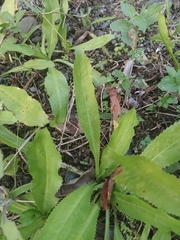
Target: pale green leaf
[(38, 64), (9, 6), (119, 142), (11, 169), (68, 216), (7, 117), (26, 109), (102, 20), (1, 165), (99, 79), (10, 230), (44, 161), (88, 228), (142, 211), (17, 208), (121, 25), (117, 233), (140, 21), (162, 235), (49, 27), (86, 103), (148, 181), (95, 43), (21, 48), (11, 139), (145, 233), (164, 149), (163, 30), (128, 10), (58, 91)]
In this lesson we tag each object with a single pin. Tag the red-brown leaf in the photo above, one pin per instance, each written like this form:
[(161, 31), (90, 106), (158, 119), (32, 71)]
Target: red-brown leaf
[(115, 99), (106, 192)]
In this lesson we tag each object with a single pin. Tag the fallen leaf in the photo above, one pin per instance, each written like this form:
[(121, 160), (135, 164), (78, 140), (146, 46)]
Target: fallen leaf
[(106, 192), (72, 185), (115, 99)]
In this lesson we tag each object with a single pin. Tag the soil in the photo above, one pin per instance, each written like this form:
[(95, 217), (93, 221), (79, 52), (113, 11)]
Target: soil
[(70, 140)]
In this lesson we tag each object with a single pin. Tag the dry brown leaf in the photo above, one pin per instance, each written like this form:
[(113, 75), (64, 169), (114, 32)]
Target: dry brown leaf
[(106, 192), (115, 99), (72, 185)]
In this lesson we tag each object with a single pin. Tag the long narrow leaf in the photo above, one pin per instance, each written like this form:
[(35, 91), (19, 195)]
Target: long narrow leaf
[(10, 230), (44, 162), (50, 26), (68, 216), (57, 88), (140, 210), (97, 42), (26, 109), (164, 149), (88, 228), (38, 64), (148, 181), (119, 142), (10, 139), (162, 235), (86, 103), (165, 38)]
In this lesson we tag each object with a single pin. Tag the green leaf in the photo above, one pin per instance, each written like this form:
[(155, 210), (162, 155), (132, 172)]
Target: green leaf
[(128, 10), (102, 20), (44, 161), (145, 233), (26, 109), (11, 169), (148, 181), (164, 149), (27, 217), (151, 12), (7, 117), (68, 216), (27, 231), (162, 235), (16, 207), (58, 90), (168, 84), (25, 49), (88, 228), (140, 21), (140, 210), (99, 79), (1, 165), (38, 64), (119, 142), (86, 103), (11, 139), (117, 233), (165, 38), (95, 43), (10, 230), (121, 25), (10, 8), (49, 27)]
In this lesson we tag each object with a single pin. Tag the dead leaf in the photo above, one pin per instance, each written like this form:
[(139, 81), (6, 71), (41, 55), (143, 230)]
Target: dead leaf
[(106, 192), (115, 99), (72, 185)]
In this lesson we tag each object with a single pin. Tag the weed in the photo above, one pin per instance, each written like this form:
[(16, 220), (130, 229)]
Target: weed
[(135, 185)]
